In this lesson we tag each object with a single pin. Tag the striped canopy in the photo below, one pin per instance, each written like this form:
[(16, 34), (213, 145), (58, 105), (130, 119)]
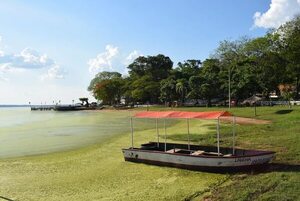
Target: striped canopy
[(182, 114)]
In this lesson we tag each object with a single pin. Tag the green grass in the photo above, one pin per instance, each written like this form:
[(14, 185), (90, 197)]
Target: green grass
[(282, 180), (282, 136), (98, 172)]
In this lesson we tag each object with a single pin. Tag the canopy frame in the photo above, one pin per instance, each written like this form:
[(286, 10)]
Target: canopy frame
[(189, 115)]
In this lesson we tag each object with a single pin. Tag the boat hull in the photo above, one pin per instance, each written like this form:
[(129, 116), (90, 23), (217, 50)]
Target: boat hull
[(207, 163)]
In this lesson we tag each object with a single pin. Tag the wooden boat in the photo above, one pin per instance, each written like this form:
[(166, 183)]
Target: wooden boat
[(195, 157)]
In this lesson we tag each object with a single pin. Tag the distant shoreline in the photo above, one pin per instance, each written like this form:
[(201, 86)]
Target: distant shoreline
[(16, 105)]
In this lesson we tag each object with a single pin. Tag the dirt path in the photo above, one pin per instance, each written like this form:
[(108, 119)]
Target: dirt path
[(244, 120)]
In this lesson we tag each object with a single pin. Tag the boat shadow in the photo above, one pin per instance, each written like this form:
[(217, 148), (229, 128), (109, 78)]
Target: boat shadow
[(282, 167), (258, 169), (275, 167), (283, 111), (5, 198)]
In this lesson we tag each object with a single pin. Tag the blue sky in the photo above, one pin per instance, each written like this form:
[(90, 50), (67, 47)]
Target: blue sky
[(50, 50)]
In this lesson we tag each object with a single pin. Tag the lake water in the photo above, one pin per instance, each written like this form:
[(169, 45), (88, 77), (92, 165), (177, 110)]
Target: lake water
[(24, 132)]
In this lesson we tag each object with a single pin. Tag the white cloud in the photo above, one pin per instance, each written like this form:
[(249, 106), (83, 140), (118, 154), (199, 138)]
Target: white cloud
[(112, 60), (28, 59), (6, 69), (3, 77), (54, 72), (131, 57), (1, 51), (103, 61), (35, 59), (280, 11)]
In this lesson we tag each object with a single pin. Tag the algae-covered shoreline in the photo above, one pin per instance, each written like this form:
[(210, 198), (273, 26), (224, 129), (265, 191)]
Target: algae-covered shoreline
[(98, 171), (24, 132)]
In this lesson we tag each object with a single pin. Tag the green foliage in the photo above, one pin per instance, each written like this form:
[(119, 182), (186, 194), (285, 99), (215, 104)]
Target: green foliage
[(211, 85), (157, 67), (145, 89), (182, 88), (187, 69), (194, 84), (101, 77), (290, 42), (168, 90), (271, 72), (146, 73), (107, 87), (251, 66)]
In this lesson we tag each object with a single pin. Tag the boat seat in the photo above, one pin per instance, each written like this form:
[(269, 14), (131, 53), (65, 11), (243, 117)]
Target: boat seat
[(212, 153), (197, 153), (173, 150)]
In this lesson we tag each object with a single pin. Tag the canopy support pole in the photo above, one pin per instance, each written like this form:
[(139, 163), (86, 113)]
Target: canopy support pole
[(218, 136), (157, 132), (233, 135), (165, 135), (131, 125), (188, 130)]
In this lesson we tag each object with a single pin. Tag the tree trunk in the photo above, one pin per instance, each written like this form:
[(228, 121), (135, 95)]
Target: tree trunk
[(297, 88), (209, 102), (182, 98)]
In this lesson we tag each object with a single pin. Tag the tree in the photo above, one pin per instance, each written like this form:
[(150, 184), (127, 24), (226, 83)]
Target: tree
[(107, 87), (105, 75), (146, 73), (250, 66), (182, 88), (188, 68), (145, 89), (182, 73), (265, 63), (210, 87), (168, 90), (229, 54), (195, 83), (290, 49), (157, 67)]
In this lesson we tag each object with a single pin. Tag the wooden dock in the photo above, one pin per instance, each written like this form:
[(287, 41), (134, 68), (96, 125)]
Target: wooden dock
[(42, 107)]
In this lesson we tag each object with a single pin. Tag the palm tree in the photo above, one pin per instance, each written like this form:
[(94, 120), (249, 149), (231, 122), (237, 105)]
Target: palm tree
[(181, 88)]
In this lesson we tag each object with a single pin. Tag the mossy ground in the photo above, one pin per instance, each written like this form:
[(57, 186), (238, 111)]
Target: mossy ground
[(98, 172)]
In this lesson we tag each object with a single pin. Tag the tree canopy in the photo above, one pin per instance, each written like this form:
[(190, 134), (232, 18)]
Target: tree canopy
[(107, 87), (252, 65)]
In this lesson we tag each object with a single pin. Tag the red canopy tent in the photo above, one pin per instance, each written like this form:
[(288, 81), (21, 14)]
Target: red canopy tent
[(182, 115)]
